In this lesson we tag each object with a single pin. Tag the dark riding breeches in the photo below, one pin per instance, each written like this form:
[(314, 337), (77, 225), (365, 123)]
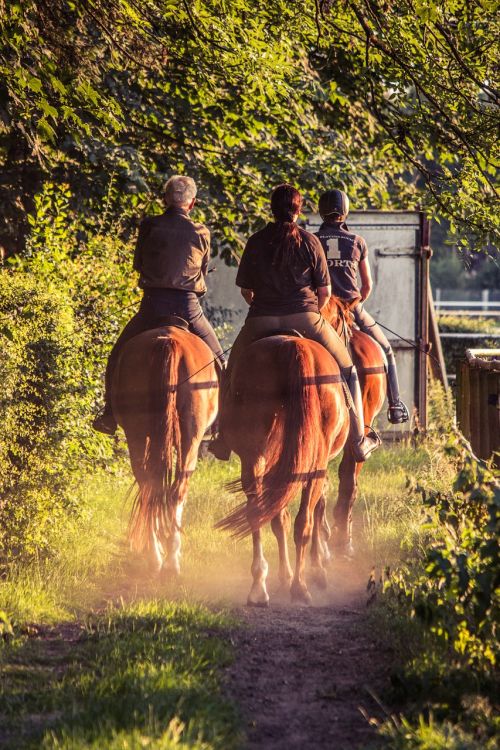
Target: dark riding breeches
[(155, 305), (368, 325)]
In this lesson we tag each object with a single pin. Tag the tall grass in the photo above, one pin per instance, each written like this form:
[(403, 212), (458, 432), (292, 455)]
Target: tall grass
[(93, 564)]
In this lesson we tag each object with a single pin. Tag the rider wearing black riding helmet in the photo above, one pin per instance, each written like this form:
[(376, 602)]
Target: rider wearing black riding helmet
[(347, 253)]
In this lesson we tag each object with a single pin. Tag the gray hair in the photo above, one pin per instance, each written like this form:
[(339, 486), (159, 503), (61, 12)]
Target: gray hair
[(179, 190)]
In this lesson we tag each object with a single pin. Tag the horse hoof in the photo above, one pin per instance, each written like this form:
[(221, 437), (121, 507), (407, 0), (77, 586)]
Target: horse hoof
[(259, 605), (347, 551), (300, 595), (318, 577), (343, 550)]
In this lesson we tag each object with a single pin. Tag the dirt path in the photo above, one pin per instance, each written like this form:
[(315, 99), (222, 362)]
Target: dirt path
[(302, 675)]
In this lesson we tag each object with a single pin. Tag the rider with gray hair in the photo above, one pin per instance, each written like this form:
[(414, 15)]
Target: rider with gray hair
[(171, 257)]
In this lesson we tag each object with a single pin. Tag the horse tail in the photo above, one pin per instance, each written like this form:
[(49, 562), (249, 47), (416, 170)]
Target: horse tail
[(151, 512), (294, 445)]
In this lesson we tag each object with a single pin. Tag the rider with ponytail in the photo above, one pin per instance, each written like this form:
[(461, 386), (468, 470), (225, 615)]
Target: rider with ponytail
[(284, 278)]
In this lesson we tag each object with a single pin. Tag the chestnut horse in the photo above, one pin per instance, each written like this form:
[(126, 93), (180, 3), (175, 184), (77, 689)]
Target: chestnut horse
[(371, 366), (285, 416), (164, 396)]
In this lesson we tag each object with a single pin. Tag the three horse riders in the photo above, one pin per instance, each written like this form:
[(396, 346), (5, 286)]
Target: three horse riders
[(286, 275)]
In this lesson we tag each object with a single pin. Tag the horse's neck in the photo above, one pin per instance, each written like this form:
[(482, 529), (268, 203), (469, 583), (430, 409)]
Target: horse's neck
[(338, 318)]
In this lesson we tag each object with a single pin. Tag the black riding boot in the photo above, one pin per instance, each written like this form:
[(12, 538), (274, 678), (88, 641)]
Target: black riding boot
[(105, 421), (397, 412), (361, 445)]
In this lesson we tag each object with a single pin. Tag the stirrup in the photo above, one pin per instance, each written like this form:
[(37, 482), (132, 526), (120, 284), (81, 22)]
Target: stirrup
[(105, 423), (397, 413)]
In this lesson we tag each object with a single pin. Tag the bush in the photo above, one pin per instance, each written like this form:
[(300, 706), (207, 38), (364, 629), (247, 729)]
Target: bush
[(443, 608), (61, 307), (39, 371)]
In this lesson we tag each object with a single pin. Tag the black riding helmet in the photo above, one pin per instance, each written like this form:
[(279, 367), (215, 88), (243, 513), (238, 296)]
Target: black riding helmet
[(333, 202)]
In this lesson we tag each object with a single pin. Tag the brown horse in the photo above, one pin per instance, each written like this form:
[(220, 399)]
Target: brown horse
[(164, 395), (285, 416), (371, 366)]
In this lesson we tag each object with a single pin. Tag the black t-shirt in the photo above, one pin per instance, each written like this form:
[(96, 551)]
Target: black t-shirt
[(344, 250), (285, 291)]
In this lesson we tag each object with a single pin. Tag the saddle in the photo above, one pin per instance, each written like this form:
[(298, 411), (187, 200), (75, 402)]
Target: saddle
[(171, 320), (279, 332)]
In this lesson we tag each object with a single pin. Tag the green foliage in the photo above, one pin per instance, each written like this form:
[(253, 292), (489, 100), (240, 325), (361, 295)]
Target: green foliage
[(455, 590), (442, 608), (458, 324), (432, 735), (60, 308), (38, 441), (244, 94)]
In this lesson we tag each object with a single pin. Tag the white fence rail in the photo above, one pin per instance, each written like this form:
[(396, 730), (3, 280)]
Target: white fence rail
[(484, 307)]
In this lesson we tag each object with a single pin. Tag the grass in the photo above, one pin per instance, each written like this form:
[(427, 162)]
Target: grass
[(93, 564), (140, 675), (104, 657)]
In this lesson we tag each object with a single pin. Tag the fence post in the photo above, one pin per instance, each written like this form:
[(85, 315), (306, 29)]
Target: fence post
[(466, 400), (493, 413), (475, 410), (485, 298), (484, 450)]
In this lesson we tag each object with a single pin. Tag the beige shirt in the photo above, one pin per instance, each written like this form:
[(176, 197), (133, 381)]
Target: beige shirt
[(172, 252)]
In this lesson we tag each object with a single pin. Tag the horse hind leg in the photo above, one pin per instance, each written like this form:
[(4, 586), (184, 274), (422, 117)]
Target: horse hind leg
[(176, 503), (281, 526), (342, 513), (302, 534), (319, 544), (258, 596)]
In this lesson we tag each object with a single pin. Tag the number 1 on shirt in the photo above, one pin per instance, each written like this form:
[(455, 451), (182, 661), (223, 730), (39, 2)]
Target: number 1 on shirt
[(333, 248)]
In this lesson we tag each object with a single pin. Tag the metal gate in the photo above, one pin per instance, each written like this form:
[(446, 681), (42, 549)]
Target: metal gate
[(398, 244)]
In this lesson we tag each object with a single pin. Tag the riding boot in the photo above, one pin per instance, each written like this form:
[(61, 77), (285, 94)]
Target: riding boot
[(397, 412), (361, 445), (105, 421), (218, 446)]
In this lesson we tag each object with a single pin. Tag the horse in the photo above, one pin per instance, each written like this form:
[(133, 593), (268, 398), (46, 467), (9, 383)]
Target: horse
[(164, 395), (371, 365), (285, 415)]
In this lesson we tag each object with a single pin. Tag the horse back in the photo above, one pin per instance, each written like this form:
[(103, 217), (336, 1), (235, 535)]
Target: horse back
[(266, 383)]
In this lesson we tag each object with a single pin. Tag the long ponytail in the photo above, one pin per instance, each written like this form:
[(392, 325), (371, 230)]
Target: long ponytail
[(286, 203)]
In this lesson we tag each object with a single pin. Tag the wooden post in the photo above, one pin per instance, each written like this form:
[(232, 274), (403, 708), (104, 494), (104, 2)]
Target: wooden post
[(466, 400), (494, 413), (438, 367), (484, 450), (474, 412), (423, 320)]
